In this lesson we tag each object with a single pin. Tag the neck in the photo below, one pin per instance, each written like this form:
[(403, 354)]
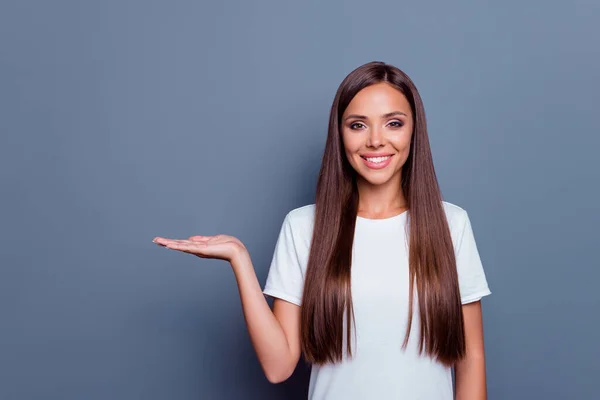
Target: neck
[(380, 201)]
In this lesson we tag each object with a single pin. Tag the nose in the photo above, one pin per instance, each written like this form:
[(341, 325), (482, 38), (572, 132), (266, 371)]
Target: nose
[(375, 138)]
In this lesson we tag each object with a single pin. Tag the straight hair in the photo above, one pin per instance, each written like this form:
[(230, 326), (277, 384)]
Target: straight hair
[(327, 297)]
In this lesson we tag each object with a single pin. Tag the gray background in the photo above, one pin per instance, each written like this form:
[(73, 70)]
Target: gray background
[(125, 120)]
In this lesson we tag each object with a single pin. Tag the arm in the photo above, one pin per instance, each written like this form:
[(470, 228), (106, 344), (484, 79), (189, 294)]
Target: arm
[(470, 372), (275, 335)]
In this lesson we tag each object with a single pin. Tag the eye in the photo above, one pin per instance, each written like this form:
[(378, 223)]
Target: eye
[(397, 124), (356, 125)]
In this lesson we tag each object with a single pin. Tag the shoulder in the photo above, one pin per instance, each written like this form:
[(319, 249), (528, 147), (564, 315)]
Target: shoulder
[(299, 224), (455, 214), (459, 223), (301, 217), (296, 232), (458, 220)]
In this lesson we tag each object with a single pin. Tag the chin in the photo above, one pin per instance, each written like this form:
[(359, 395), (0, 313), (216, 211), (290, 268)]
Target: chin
[(376, 179)]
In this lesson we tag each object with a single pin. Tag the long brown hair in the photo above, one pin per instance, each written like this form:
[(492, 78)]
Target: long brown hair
[(327, 295)]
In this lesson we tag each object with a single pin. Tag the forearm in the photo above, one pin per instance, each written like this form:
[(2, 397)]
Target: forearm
[(266, 333), (470, 378)]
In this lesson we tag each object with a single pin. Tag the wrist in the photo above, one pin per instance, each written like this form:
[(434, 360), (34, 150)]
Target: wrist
[(240, 259)]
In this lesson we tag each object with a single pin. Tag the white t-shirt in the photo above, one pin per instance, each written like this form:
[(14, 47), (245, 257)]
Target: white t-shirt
[(379, 368)]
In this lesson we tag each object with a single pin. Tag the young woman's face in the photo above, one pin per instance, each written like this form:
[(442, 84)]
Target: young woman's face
[(376, 129)]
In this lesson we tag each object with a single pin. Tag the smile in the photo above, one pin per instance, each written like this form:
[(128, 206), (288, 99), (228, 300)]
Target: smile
[(377, 162)]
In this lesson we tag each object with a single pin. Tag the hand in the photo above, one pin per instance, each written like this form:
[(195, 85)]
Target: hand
[(222, 247)]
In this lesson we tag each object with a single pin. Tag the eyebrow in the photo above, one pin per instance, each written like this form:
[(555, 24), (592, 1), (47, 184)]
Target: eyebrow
[(388, 115)]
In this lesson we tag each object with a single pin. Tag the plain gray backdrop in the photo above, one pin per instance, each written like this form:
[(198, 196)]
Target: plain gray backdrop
[(126, 120)]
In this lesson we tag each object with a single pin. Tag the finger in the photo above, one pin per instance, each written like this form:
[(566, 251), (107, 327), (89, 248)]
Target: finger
[(181, 242), (199, 238), (188, 247), (160, 241), (165, 242)]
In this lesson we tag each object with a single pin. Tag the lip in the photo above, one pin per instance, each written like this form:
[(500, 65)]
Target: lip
[(376, 154), (373, 165)]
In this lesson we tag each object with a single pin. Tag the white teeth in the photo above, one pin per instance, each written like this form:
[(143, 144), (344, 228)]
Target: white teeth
[(377, 159)]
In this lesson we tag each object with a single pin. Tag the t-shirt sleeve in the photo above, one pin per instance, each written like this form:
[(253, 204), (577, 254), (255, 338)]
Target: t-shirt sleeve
[(285, 279), (471, 276)]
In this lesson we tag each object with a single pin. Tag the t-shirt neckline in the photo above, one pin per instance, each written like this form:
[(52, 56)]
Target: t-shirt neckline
[(375, 220)]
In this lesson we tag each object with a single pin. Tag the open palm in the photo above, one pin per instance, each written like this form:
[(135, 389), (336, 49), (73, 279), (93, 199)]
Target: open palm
[(222, 247)]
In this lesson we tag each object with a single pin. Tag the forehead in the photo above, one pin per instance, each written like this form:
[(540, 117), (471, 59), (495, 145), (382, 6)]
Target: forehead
[(378, 99)]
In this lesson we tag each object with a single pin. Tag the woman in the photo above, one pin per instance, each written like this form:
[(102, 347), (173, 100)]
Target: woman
[(378, 284)]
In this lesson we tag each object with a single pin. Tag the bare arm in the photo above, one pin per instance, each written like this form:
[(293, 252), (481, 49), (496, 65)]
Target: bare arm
[(275, 335), (470, 372)]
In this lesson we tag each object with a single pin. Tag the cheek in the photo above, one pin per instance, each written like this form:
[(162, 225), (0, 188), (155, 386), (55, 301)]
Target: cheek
[(401, 140), (351, 145)]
